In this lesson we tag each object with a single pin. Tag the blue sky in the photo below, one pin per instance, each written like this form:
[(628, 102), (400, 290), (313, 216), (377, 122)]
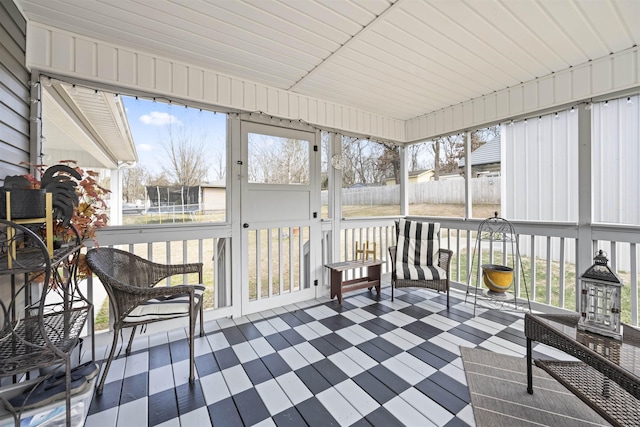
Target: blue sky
[(148, 121)]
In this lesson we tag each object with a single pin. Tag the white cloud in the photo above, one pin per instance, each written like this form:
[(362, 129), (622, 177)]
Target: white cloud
[(157, 118), (145, 147)]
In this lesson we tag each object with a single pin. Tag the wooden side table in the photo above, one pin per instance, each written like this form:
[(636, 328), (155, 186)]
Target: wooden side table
[(371, 279)]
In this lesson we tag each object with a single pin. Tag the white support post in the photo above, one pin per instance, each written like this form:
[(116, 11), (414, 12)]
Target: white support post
[(467, 176), (335, 196), (584, 244), (115, 214), (35, 124), (404, 181), (234, 177)]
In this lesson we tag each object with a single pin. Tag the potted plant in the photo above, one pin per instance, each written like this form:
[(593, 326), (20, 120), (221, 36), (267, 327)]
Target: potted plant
[(78, 202)]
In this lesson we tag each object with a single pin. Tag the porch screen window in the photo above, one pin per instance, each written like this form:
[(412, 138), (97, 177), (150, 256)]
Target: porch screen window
[(540, 168), (616, 155), (277, 160)]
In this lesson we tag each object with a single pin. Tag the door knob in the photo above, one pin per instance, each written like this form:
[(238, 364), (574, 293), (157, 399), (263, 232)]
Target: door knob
[(245, 225)]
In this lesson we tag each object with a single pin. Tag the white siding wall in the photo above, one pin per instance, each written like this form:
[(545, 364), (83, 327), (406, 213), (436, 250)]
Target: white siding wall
[(67, 54), (615, 72)]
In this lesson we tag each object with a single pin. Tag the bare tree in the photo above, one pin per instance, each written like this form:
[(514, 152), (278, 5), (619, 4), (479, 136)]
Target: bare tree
[(416, 155), (448, 150), (369, 162), (158, 180), (325, 139), (277, 160), (389, 161), (218, 168), (186, 162), (133, 182), (359, 161)]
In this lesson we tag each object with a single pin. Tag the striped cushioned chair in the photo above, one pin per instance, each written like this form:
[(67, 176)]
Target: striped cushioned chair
[(135, 300), (417, 259)]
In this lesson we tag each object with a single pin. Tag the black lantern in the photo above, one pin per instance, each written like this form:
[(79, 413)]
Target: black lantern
[(600, 290)]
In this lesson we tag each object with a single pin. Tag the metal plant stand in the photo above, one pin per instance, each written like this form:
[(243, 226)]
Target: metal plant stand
[(40, 333), (497, 237)]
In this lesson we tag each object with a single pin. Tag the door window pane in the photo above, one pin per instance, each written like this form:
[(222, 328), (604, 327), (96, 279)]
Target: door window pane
[(277, 160)]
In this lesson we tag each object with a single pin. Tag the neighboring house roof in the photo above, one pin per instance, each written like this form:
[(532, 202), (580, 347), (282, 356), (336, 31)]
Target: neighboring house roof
[(419, 172), (412, 174), (486, 154), (218, 183)]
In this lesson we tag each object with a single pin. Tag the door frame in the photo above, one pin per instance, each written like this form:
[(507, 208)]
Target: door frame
[(239, 128)]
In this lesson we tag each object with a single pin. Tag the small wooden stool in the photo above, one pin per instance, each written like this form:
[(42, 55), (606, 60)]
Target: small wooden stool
[(338, 286)]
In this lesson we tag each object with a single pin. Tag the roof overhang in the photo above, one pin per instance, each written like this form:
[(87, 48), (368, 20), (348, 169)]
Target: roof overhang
[(87, 126)]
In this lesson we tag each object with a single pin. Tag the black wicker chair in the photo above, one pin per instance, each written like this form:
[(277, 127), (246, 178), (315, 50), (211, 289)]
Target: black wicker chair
[(424, 276), (135, 300)]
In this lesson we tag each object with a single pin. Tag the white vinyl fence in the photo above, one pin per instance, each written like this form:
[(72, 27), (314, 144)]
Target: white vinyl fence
[(485, 190)]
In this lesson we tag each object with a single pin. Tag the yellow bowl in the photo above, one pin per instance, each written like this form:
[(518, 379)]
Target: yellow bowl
[(497, 278)]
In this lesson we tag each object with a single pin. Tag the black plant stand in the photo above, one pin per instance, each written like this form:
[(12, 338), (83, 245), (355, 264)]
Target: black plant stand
[(498, 237), (43, 333)]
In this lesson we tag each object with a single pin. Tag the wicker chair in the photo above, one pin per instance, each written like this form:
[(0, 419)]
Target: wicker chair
[(417, 270), (130, 283)]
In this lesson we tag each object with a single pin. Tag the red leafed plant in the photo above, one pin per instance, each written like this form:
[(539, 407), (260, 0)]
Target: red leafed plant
[(87, 215), (90, 214)]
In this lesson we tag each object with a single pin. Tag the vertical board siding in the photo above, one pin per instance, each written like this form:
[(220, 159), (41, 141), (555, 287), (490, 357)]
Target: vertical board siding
[(14, 92), (615, 72), (64, 53)]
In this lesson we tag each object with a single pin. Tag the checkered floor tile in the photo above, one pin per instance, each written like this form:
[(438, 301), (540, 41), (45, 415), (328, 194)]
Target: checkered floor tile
[(367, 362)]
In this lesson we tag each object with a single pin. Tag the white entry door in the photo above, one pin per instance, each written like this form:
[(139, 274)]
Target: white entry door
[(280, 202)]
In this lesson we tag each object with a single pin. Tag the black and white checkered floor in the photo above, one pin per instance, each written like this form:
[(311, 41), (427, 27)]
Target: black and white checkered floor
[(366, 362)]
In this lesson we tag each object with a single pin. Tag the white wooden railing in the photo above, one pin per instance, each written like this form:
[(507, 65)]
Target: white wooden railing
[(551, 284), (554, 280)]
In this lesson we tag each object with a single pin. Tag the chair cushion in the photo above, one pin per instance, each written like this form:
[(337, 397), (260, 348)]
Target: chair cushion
[(417, 245), (416, 272), (164, 308)]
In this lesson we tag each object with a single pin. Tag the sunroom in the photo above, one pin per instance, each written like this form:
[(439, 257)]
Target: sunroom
[(428, 110)]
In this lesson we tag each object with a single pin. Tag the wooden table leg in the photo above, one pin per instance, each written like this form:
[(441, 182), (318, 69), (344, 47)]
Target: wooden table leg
[(374, 274), (336, 285)]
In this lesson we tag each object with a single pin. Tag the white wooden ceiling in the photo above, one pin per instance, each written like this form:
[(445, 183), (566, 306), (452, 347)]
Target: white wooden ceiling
[(397, 58)]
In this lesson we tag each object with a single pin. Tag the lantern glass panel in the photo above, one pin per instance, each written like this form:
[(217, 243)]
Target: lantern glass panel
[(601, 307), (600, 298), (600, 302)]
